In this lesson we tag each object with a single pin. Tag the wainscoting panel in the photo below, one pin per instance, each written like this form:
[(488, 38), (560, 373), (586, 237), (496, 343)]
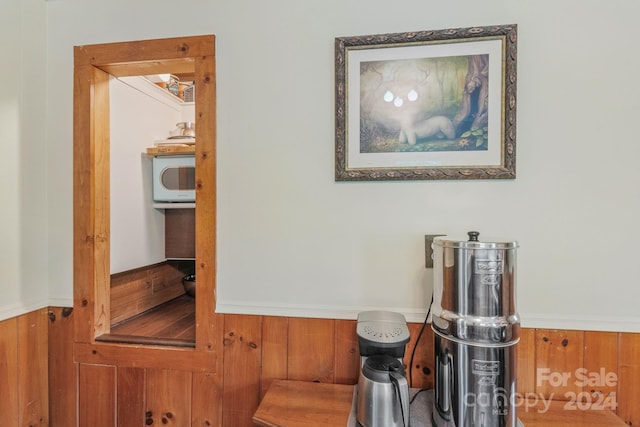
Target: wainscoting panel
[(97, 395), (9, 407), (242, 360), (577, 367), (558, 353), (24, 398), (63, 373), (132, 404), (629, 378)]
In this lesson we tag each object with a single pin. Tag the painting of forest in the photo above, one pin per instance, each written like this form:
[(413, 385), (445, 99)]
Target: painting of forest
[(424, 104)]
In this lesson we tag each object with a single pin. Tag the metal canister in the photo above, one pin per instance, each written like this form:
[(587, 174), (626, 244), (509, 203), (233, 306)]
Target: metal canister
[(476, 328)]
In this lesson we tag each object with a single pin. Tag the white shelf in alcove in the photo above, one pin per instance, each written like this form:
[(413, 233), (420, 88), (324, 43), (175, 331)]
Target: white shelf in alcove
[(151, 89), (174, 205)]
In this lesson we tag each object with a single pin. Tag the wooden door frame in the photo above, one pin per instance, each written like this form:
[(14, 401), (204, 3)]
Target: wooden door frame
[(94, 64)]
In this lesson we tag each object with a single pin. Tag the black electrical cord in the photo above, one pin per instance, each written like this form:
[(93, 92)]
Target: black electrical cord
[(415, 345)]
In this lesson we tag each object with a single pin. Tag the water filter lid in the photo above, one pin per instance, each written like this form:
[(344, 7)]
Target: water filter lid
[(473, 241)]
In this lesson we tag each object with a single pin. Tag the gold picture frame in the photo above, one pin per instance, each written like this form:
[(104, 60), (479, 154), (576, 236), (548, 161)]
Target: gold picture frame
[(426, 105)]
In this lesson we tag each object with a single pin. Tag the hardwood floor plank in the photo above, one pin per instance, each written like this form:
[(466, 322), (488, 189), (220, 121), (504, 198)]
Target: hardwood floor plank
[(173, 320)]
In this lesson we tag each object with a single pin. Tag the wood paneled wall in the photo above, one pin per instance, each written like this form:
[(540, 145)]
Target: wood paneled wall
[(24, 394), (63, 373), (136, 291), (259, 349)]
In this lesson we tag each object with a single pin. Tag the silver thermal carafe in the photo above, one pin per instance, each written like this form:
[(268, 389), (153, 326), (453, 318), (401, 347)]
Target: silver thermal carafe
[(383, 391), (476, 329)]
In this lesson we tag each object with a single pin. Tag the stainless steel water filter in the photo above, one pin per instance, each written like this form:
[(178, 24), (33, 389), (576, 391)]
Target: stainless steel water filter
[(476, 329)]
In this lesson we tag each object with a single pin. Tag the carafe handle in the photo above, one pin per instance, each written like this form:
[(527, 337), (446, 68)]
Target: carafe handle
[(402, 390)]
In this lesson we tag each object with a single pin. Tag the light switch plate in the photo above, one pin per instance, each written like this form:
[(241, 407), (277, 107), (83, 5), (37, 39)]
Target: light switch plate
[(428, 250)]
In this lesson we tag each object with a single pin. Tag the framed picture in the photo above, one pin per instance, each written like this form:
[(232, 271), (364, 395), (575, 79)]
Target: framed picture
[(427, 105)]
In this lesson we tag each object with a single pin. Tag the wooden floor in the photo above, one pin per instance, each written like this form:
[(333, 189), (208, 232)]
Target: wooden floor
[(172, 323)]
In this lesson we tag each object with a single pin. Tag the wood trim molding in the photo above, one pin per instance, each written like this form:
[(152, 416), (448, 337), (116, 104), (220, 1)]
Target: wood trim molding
[(94, 66), (144, 356)]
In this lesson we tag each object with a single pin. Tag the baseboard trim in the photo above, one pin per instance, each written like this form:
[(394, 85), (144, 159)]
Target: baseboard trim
[(22, 307), (61, 302), (528, 320), (312, 311), (580, 322)]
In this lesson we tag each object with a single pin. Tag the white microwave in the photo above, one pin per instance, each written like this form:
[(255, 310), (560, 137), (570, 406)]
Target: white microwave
[(174, 178)]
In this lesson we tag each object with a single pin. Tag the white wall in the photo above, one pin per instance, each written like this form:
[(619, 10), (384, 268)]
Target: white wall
[(292, 241), (23, 159), (137, 120)]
